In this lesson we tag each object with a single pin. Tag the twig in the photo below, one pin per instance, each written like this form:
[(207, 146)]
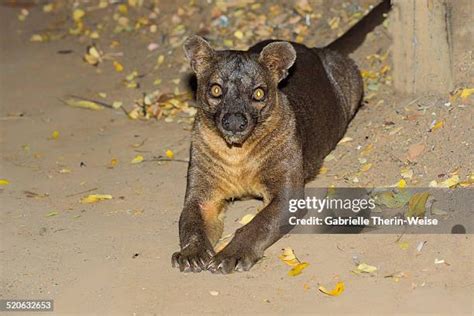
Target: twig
[(167, 159), (74, 194)]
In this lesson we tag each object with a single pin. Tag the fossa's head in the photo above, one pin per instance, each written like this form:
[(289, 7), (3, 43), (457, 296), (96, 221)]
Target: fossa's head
[(237, 89)]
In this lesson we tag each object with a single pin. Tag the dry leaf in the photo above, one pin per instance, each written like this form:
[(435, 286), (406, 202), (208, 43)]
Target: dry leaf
[(401, 184), (169, 154), (393, 200), (93, 198), (296, 270), (55, 135), (345, 140), (160, 60), (364, 268), (449, 183), (137, 159), (78, 14), (239, 34), (436, 125), (367, 150), (406, 173), (466, 92), (113, 163), (48, 7), (404, 245), (93, 55), (85, 104), (38, 38), (118, 66), (365, 167), (246, 219), (338, 289), (288, 257), (52, 213), (417, 205)]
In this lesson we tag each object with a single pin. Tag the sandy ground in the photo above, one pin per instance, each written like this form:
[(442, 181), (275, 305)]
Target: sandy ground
[(113, 257)]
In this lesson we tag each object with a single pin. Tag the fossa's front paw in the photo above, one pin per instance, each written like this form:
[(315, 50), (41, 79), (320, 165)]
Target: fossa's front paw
[(192, 258), (230, 259)]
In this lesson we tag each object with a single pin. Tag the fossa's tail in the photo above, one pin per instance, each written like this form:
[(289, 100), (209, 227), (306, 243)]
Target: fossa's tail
[(355, 36)]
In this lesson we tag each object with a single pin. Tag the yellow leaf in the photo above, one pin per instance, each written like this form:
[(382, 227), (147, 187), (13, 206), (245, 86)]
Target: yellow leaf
[(288, 257), (94, 35), (466, 92), (48, 7), (246, 219), (417, 204), (239, 34), (4, 182), (118, 66), (367, 150), (113, 163), (134, 114), (85, 104), (401, 184), (345, 140), (37, 38), (404, 245), (323, 170), (437, 125), (52, 213), (137, 159), (334, 22), (65, 170), (296, 270), (93, 198), (117, 104), (449, 183), (78, 14), (123, 8), (365, 167), (160, 60), (93, 55), (55, 135), (406, 173), (169, 154), (334, 292), (132, 85), (364, 268)]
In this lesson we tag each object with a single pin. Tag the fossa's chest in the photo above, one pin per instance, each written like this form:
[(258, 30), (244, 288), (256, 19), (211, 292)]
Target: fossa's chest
[(235, 170)]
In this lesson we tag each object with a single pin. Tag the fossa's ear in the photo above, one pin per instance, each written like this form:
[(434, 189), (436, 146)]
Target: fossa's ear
[(278, 57), (199, 53)]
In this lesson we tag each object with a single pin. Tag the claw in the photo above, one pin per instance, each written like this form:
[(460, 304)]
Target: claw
[(191, 260)]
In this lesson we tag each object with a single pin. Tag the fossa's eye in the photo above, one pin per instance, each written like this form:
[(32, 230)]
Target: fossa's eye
[(258, 94), (216, 90)]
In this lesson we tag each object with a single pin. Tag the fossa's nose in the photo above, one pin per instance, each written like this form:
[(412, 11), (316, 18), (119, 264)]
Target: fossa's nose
[(234, 122)]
